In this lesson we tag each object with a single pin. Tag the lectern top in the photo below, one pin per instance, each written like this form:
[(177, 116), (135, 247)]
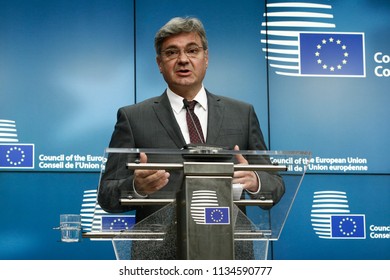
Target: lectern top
[(206, 150)]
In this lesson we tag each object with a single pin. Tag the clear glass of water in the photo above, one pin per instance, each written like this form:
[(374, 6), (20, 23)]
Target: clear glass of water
[(70, 226)]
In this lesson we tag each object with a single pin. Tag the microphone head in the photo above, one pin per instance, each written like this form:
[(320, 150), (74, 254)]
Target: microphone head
[(186, 104)]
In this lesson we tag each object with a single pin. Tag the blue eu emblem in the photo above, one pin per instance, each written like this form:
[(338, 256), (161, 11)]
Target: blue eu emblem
[(16, 155), (217, 215), (348, 226), (332, 54)]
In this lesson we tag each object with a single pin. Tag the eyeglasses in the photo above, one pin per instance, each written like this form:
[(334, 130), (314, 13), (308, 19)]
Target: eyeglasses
[(173, 53)]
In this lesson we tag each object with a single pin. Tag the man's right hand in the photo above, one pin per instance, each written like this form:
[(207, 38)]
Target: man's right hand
[(149, 181)]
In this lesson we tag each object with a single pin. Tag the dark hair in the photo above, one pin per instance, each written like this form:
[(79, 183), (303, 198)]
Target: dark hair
[(179, 25)]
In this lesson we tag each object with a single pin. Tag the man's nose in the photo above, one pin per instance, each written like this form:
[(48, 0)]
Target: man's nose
[(182, 56)]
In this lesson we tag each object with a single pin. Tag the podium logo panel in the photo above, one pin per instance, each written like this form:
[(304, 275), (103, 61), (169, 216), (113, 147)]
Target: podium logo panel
[(117, 222), (205, 209)]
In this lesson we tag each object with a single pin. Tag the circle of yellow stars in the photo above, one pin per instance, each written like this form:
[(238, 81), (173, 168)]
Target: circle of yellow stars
[(215, 211), (321, 46), (14, 151), (120, 221), (347, 220)]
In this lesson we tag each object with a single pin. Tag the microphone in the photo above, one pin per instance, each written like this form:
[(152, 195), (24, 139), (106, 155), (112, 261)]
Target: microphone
[(186, 104), (187, 107)]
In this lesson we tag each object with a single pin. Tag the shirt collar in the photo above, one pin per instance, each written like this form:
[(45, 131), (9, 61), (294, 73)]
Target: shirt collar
[(177, 101)]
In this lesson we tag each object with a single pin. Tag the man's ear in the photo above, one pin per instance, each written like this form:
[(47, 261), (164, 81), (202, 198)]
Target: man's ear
[(207, 58), (158, 60)]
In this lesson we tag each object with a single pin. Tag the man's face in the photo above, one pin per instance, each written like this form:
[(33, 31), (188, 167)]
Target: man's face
[(183, 63)]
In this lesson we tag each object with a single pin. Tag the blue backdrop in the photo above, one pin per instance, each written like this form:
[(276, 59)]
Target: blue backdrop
[(67, 66)]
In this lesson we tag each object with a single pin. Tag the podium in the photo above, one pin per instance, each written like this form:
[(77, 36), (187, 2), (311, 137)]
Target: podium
[(206, 217)]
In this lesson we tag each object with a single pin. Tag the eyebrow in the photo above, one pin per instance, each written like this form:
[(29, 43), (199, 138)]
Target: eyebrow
[(188, 45)]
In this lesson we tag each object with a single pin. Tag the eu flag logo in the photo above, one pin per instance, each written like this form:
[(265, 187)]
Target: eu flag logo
[(348, 226), (332, 54), (16, 155), (217, 215), (117, 223)]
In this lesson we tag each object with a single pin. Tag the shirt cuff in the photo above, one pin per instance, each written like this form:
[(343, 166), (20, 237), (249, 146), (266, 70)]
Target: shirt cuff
[(136, 194)]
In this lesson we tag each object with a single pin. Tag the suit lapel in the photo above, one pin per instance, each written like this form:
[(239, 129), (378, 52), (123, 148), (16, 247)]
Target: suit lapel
[(215, 117), (164, 113)]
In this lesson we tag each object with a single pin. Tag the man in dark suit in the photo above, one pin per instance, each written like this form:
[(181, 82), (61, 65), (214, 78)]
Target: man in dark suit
[(160, 122)]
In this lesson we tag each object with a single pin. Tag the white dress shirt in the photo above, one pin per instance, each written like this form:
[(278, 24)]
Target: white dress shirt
[(179, 111)]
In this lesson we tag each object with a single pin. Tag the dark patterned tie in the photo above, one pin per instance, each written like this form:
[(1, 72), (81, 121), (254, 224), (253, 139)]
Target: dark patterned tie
[(194, 127)]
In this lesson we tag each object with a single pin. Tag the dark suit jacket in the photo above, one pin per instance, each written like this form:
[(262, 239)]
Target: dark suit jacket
[(152, 124)]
